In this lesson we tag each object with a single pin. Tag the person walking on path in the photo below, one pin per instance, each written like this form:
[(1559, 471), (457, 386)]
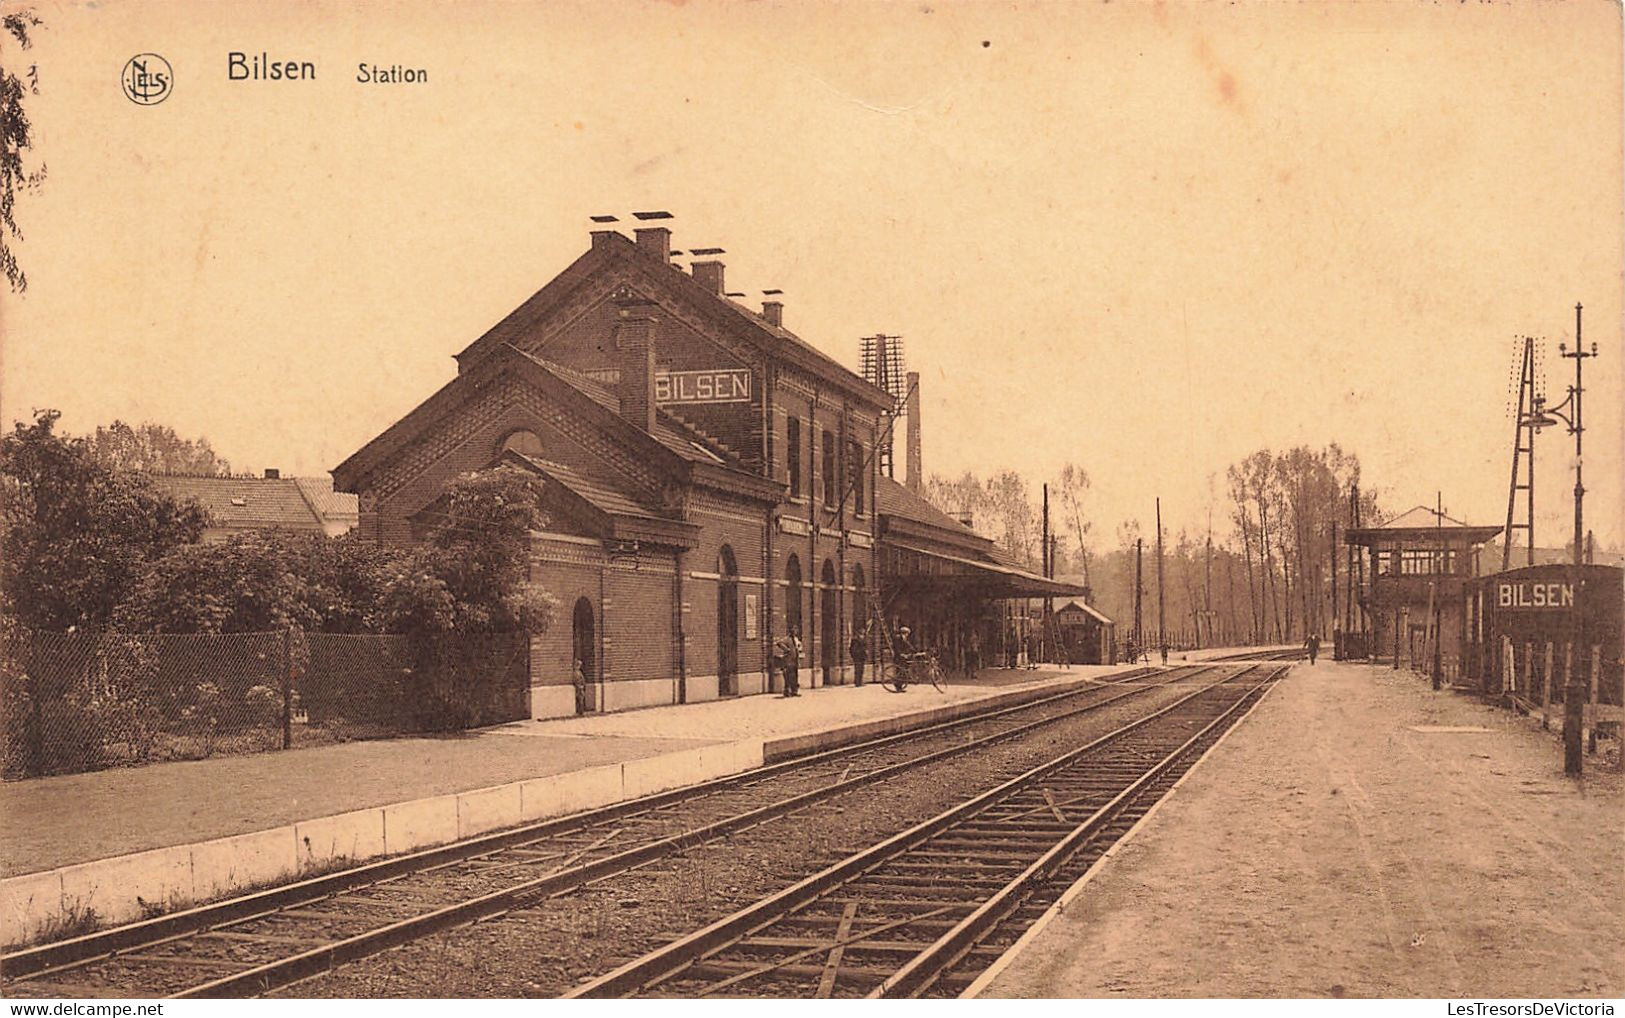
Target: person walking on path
[(1312, 645), (860, 656)]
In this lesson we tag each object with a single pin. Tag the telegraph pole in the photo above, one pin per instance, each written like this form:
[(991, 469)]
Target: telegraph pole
[(1162, 632), (1574, 696), (1139, 591), (1435, 594)]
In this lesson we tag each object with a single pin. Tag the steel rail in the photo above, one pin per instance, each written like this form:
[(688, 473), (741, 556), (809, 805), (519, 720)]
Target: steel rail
[(41, 958), (260, 978), (663, 963), (919, 973)]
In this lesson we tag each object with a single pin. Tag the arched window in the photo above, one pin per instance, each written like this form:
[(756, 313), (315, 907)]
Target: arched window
[(792, 595), (526, 443)]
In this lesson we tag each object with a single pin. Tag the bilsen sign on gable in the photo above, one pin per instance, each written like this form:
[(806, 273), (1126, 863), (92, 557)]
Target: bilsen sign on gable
[(723, 385)]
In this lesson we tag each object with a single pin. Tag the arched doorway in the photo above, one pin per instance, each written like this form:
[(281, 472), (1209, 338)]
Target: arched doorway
[(829, 621), (727, 623), (792, 600), (583, 655)]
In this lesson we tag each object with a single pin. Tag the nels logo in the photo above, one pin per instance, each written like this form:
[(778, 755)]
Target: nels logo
[(147, 79)]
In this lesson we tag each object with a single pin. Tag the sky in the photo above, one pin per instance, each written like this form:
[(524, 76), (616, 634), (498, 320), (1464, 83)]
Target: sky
[(1145, 238)]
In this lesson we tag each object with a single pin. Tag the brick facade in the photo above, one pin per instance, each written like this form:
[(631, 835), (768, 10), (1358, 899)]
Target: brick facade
[(669, 518)]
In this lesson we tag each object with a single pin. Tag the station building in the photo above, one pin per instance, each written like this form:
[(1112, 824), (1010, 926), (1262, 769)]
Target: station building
[(710, 480)]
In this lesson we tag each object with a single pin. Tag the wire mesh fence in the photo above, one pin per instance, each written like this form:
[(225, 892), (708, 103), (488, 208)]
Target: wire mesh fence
[(74, 702)]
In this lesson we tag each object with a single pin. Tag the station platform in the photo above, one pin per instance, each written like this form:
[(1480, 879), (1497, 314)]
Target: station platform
[(1359, 835), (120, 844)]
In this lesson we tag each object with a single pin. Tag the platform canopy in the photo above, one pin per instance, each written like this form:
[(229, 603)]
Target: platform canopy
[(992, 579)]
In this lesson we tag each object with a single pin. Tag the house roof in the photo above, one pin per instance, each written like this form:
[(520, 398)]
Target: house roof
[(246, 503), (329, 504), (611, 250)]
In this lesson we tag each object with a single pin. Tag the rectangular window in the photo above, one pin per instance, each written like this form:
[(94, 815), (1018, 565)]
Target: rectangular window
[(792, 453), (831, 481), (854, 468)]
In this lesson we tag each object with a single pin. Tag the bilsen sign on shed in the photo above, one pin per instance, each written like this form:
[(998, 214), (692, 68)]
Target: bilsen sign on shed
[(1527, 594)]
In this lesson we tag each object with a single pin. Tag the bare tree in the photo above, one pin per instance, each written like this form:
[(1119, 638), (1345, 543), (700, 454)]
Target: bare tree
[(1074, 487)]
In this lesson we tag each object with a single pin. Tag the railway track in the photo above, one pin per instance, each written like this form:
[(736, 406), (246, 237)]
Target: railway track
[(927, 910), (1289, 654), (258, 942)]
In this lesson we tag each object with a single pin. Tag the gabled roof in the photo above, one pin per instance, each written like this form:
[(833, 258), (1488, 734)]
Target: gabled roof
[(614, 509), (350, 474), (896, 501), (245, 503), (675, 434), (612, 251), (1087, 608), (1419, 516), (601, 492), (1419, 522)]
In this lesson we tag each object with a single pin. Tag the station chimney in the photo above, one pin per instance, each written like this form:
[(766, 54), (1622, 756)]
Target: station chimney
[(635, 349), (912, 476)]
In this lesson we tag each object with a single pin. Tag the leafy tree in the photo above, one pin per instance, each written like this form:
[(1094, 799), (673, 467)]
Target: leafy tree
[(155, 448), (247, 584), (479, 548), (16, 137), (77, 536)]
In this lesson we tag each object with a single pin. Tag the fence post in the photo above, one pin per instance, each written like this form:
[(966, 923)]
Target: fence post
[(1546, 690), (287, 687), (1591, 698)]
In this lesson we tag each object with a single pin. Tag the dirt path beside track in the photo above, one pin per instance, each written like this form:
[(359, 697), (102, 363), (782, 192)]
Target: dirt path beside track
[(1329, 848)]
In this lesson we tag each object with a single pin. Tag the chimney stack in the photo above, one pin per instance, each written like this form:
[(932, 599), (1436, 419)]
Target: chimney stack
[(635, 354), (656, 240), (273, 474), (709, 275), (773, 311), (911, 476)]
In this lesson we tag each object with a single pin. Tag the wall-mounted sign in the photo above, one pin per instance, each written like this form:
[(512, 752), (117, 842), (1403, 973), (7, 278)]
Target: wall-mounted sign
[(859, 539), (717, 385), (794, 525), (1532, 595), (750, 616)]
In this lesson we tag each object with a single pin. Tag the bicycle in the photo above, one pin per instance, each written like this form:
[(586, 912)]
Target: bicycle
[(909, 668)]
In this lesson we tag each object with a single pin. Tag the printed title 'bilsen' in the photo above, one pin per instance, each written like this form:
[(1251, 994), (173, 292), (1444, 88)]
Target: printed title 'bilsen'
[(394, 74), (242, 67)]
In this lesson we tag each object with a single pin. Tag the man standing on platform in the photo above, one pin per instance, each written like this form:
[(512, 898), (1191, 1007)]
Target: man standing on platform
[(792, 666), (860, 656)]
